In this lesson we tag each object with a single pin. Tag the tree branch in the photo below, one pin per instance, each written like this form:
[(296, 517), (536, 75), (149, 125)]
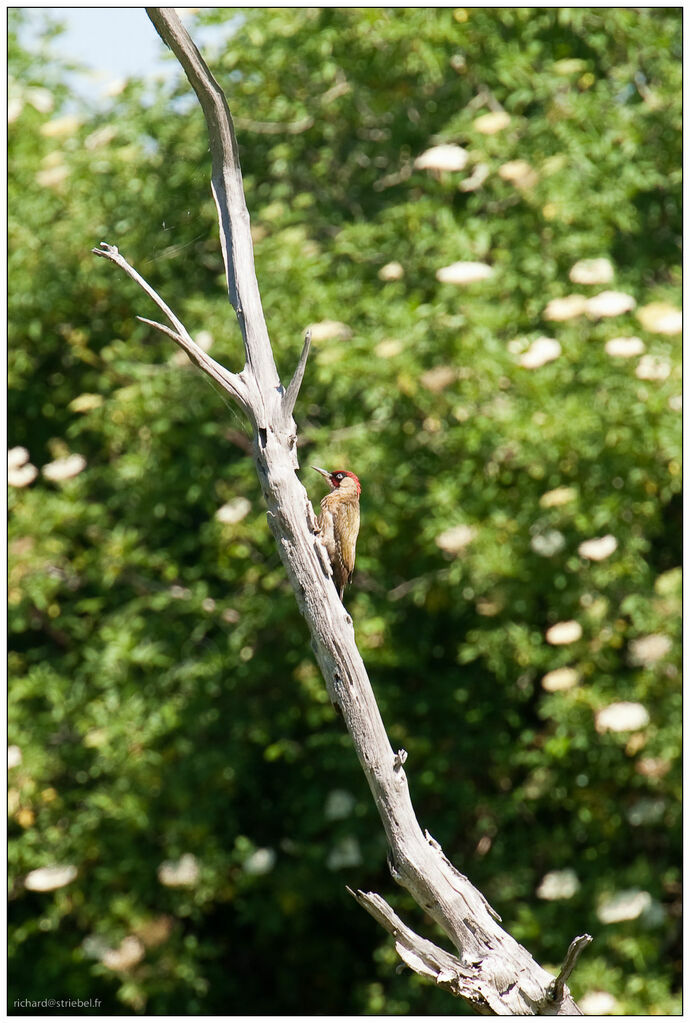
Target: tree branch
[(575, 950), (290, 396), (421, 955), (491, 970), (230, 382), (233, 216)]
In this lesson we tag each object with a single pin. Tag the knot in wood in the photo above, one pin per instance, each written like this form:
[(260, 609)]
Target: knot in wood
[(399, 759)]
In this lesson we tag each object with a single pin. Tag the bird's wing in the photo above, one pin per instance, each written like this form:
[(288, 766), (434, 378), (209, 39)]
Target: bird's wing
[(325, 523), (349, 530)]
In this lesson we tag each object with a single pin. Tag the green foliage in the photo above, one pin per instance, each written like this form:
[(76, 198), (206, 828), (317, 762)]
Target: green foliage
[(163, 694)]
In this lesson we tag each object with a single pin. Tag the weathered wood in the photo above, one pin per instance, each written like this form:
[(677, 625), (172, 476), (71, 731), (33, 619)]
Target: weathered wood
[(577, 947), (491, 970)]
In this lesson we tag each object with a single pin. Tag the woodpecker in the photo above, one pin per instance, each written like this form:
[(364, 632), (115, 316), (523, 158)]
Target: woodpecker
[(339, 523)]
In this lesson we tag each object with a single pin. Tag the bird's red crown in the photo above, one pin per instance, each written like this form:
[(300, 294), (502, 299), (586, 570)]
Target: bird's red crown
[(338, 475)]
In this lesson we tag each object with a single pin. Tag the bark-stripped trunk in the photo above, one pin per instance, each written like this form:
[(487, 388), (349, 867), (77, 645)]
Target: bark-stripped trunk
[(490, 969)]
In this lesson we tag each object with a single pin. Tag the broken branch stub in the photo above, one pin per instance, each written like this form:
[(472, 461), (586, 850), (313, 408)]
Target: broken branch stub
[(496, 974)]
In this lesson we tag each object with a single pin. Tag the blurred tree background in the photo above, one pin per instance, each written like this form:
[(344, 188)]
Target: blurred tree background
[(479, 212)]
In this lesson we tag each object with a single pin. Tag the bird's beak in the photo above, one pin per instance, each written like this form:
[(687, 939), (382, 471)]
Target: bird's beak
[(324, 472)]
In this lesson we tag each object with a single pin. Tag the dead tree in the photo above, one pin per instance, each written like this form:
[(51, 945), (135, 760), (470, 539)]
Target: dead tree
[(489, 968)]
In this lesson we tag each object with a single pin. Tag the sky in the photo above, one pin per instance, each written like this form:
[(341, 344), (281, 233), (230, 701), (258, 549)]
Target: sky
[(114, 42), (120, 41)]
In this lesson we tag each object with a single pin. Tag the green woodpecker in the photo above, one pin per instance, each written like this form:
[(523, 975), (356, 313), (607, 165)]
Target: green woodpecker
[(339, 523)]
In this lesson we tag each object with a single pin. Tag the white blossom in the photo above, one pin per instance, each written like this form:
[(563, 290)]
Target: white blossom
[(330, 330), (610, 303), (15, 105), (563, 633), (14, 757), (392, 272), (559, 679), (22, 476), (653, 767), (389, 348), (464, 273), (438, 378), (476, 178), (650, 649), (556, 498), (40, 99), (591, 271), (261, 861), (491, 123), (624, 347), (651, 367), (541, 351), (64, 468), (86, 402), (661, 318), (447, 157), (621, 717), (17, 457), (547, 544), (129, 952), (100, 137), (49, 879), (204, 339), (569, 66), (566, 308), (60, 126), (456, 538), (234, 511), (624, 905), (598, 1003), (598, 548), (52, 176), (518, 173), (558, 884), (182, 873)]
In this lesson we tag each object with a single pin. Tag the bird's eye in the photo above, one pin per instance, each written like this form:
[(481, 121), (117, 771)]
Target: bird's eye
[(339, 476)]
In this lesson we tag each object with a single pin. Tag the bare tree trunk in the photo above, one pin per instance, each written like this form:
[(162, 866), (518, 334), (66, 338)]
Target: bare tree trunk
[(491, 970)]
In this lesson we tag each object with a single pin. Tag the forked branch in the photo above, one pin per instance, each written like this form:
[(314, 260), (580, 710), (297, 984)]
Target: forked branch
[(421, 955), (230, 382), (496, 974), (228, 192), (290, 396)]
